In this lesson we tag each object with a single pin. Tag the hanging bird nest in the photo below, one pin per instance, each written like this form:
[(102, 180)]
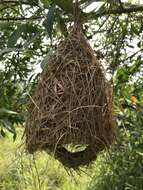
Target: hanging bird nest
[(72, 105)]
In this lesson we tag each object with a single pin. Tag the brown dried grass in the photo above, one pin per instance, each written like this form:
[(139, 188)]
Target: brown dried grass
[(72, 104)]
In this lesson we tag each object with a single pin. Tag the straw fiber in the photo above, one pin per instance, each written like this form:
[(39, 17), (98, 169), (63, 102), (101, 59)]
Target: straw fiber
[(72, 105)]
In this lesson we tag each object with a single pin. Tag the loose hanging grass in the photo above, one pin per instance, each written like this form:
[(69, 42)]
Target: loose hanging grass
[(72, 104)]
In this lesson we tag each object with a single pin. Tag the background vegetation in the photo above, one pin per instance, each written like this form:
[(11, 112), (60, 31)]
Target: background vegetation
[(29, 33)]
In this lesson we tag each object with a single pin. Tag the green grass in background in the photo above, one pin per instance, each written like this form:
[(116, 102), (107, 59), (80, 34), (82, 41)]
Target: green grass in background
[(21, 171), (120, 169)]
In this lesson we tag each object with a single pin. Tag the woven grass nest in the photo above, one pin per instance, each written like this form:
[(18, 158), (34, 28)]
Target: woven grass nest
[(72, 105)]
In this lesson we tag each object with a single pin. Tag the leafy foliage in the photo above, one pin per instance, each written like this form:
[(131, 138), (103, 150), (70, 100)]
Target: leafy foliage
[(116, 28), (123, 167)]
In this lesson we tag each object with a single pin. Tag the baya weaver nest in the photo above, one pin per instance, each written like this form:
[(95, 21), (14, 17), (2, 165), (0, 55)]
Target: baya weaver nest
[(72, 105)]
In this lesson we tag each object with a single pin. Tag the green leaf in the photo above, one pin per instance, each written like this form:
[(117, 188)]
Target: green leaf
[(46, 3), (122, 74), (24, 28), (135, 29), (3, 134), (66, 5), (21, 7), (16, 35), (139, 44), (140, 153), (8, 125), (135, 67), (62, 25), (5, 26), (31, 40), (139, 148), (48, 23), (14, 137), (102, 8), (6, 111), (33, 2), (8, 50)]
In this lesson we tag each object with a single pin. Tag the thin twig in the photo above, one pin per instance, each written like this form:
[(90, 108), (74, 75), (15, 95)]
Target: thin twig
[(93, 15), (86, 16), (131, 56), (21, 18)]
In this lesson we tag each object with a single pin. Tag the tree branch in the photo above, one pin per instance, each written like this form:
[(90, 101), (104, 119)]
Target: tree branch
[(15, 2), (85, 16), (21, 18), (127, 10), (133, 55)]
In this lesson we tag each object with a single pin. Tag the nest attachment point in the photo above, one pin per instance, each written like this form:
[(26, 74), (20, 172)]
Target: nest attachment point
[(72, 105)]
